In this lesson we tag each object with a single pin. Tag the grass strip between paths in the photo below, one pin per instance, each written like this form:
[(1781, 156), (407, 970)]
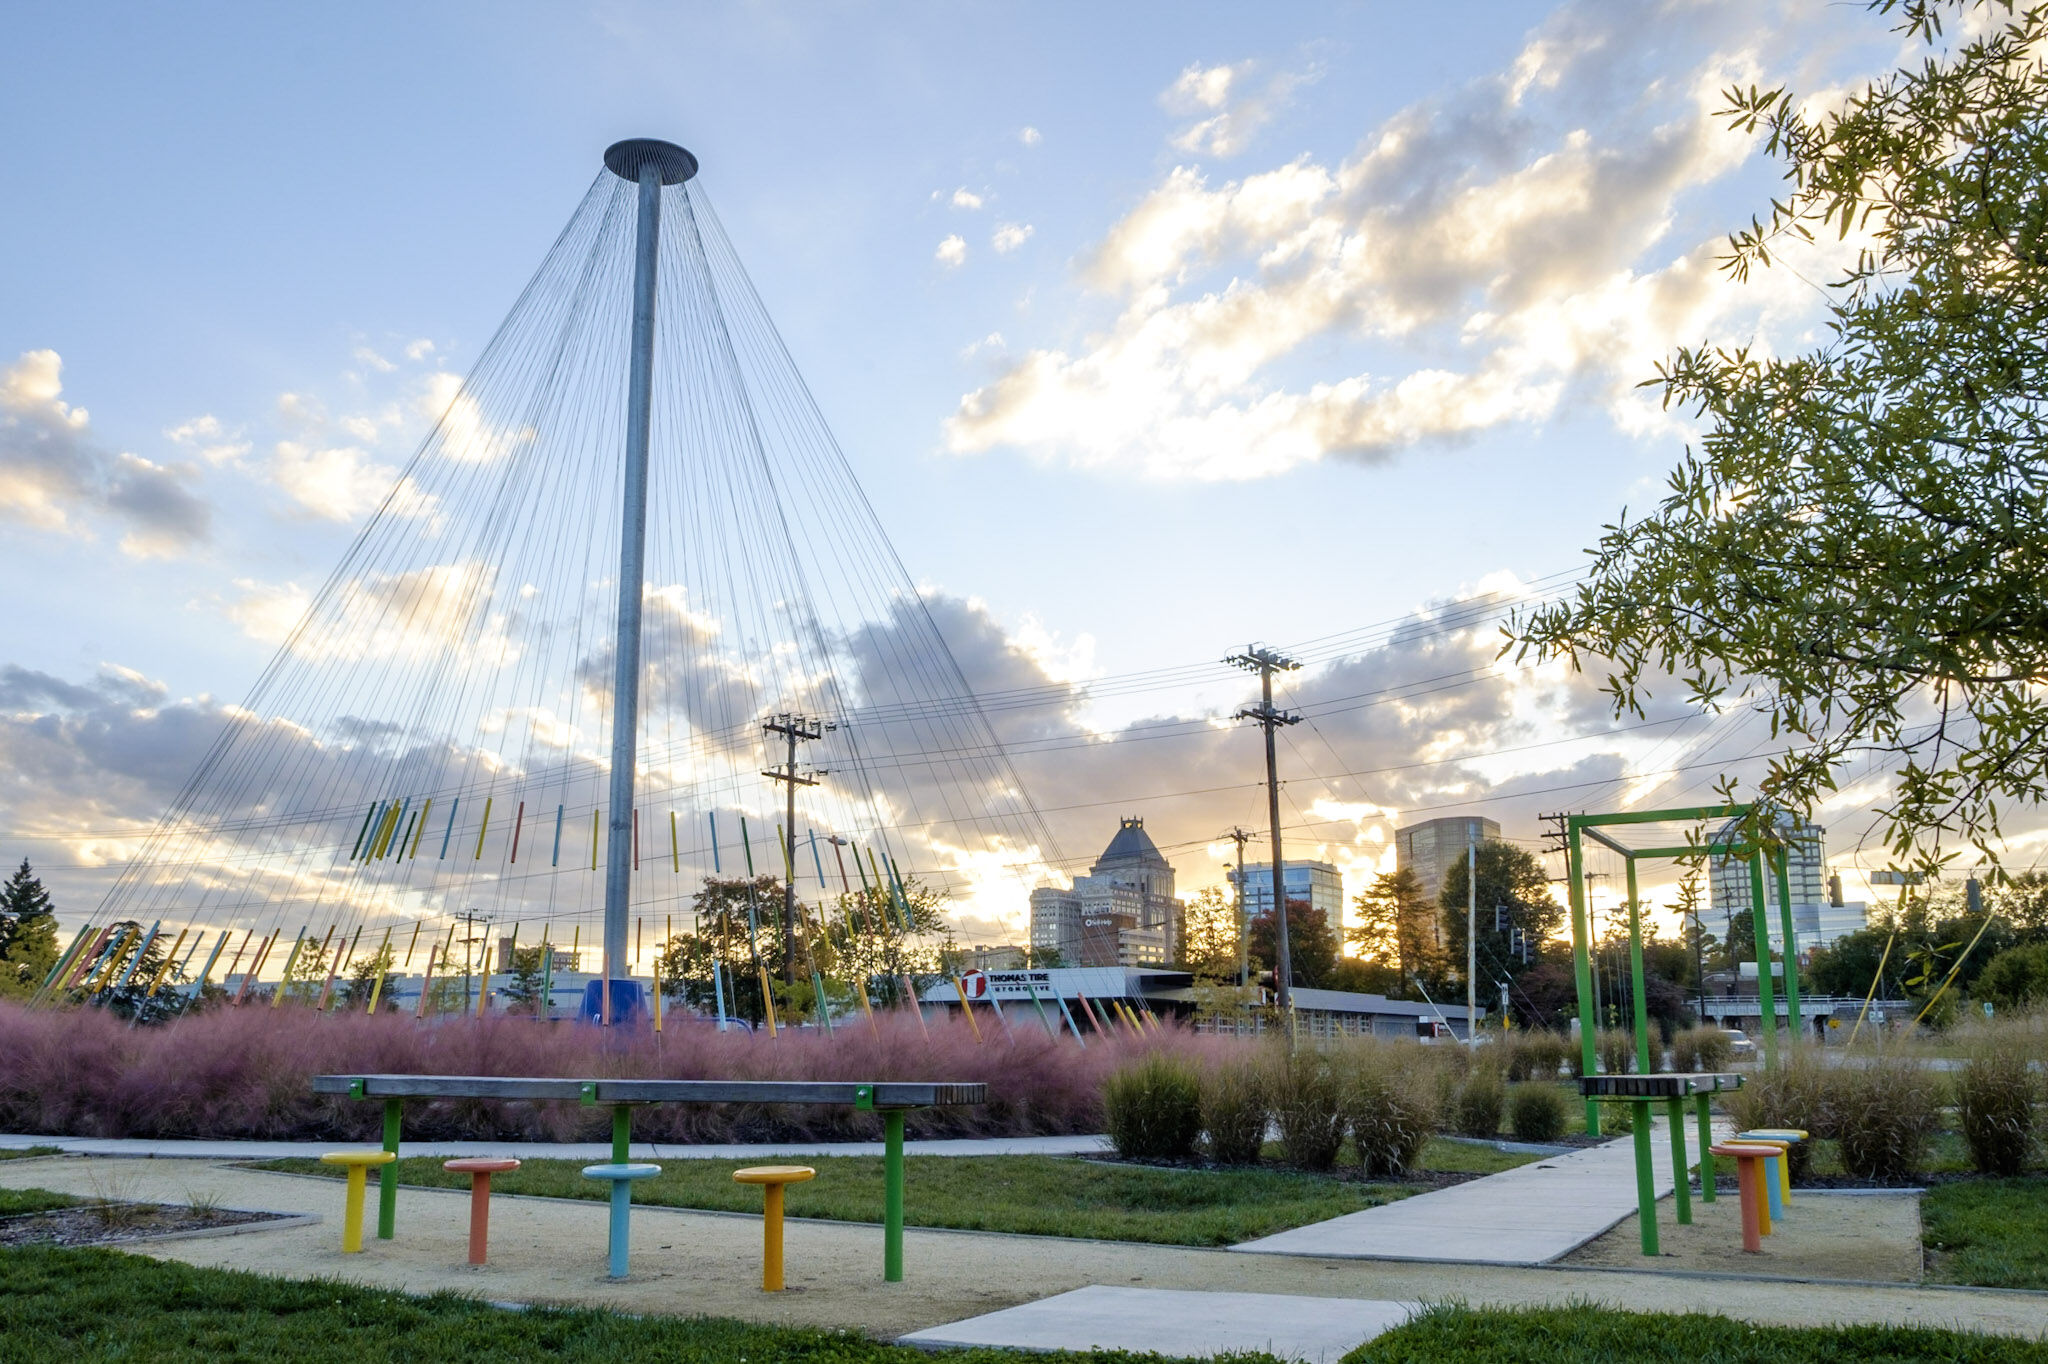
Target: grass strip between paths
[(1988, 1232), (1029, 1195), (15, 1202), (23, 1152)]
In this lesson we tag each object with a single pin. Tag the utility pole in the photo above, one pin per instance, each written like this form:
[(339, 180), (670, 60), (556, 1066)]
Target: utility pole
[(1265, 662), (1244, 928), (793, 728), (1471, 940), (469, 919)]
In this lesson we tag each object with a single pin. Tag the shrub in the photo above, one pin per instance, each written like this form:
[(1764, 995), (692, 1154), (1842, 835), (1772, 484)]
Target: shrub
[(1546, 1051), (1308, 1104), (1153, 1108), (2015, 977), (1881, 1115), (1480, 1100), (1702, 1048), (1995, 1106), (1236, 1106), (1516, 1057), (1537, 1112), (1389, 1096), (1799, 1094), (1617, 1050)]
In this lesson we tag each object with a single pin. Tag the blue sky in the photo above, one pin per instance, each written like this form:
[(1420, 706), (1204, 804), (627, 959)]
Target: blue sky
[(1150, 329)]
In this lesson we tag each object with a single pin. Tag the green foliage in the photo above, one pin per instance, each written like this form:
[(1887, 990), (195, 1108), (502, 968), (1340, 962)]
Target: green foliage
[(1616, 1048), (1209, 943), (2015, 977), (1882, 1114), (1862, 536), (1153, 1108), (1311, 944), (28, 934), (1390, 1104), (1801, 1093), (1395, 925), (1308, 1103), (1988, 1232), (1236, 1107), (1537, 1111), (363, 975), (528, 978), (1476, 1110), (1705, 1048), (1995, 1094), (1513, 879)]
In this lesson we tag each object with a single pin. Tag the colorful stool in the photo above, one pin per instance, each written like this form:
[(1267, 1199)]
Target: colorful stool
[(1783, 1136), (479, 1169), (1775, 1178), (358, 1164), (621, 1177), (1749, 1160), (772, 1178)]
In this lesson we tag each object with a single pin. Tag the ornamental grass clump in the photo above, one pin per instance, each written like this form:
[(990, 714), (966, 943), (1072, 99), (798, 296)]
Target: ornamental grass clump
[(1389, 1097), (1477, 1109), (1995, 1094), (1617, 1050), (1704, 1048), (1237, 1105), (1308, 1105), (1799, 1094), (1546, 1052), (1153, 1108), (1881, 1115), (1537, 1112)]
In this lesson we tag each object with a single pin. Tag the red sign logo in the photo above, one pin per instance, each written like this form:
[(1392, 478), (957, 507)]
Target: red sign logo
[(975, 985)]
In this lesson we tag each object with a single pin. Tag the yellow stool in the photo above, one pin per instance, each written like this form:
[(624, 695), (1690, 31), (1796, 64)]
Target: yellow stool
[(358, 1164), (772, 1178)]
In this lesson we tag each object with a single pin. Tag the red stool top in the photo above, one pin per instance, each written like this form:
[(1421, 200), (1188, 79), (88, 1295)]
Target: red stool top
[(1739, 1149), (480, 1165)]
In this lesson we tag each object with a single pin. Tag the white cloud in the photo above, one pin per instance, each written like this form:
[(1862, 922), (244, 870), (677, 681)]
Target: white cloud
[(1228, 113), (1010, 236), (1029, 136), (952, 251), (1481, 259), (964, 197), (375, 361), (267, 612), (419, 350), (205, 434), (342, 482)]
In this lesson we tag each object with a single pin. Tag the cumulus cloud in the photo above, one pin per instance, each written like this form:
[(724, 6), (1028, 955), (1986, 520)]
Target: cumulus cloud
[(1010, 236), (1229, 104), (952, 251), (342, 482), (1029, 135), (54, 475), (966, 198), (1483, 258)]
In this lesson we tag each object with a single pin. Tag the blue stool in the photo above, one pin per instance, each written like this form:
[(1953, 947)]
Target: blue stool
[(621, 1177), (1777, 1170)]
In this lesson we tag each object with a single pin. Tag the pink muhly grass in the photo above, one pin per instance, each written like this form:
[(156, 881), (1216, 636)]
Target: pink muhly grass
[(246, 1072)]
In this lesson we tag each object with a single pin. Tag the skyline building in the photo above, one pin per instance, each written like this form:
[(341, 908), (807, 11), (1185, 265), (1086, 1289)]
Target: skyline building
[(1428, 849), (1320, 884), (1122, 913)]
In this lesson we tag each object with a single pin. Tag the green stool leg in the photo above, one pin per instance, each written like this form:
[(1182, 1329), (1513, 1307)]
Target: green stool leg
[(1646, 1182), (1706, 1152), (892, 1196), (387, 1177), (1681, 1182), (622, 1133)]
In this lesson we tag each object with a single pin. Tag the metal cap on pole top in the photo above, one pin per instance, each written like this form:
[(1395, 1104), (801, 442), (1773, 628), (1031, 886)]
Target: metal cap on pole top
[(626, 160)]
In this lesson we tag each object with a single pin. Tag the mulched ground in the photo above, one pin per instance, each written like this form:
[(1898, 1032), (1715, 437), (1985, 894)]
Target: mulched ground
[(104, 1224)]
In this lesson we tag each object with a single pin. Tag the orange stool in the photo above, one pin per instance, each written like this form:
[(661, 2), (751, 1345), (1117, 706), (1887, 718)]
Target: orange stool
[(480, 1169), (1749, 1176), (772, 1178)]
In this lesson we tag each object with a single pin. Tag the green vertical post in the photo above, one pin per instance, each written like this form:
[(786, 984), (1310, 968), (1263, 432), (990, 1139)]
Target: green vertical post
[(622, 1133), (1783, 861), (1766, 993), (1681, 1186), (1582, 967), (1703, 1103), (387, 1175), (1635, 973), (1646, 1181), (892, 1196)]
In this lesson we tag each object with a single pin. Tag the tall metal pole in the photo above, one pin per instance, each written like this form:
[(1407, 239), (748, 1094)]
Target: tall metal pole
[(1471, 939), (651, 164)]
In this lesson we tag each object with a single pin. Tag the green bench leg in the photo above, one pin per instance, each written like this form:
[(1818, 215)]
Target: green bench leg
[(1706, 1148), (892, 1196), (1646, 1181), (1681, 1183), (387, 1177), (622, 1133)]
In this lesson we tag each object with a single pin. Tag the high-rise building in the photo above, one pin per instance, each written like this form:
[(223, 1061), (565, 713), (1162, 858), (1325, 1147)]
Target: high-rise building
[(1818, 914), (1318, 883), (1429, 848), (1123, 913)]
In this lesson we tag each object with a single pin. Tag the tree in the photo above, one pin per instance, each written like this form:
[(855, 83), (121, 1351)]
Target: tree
[(1513, 894), (362, 979), (1396, 926), (28, 934), (1858, 549), (1209, 941), (1311, 944), (2015, 977), (529, 972), (140, 985)]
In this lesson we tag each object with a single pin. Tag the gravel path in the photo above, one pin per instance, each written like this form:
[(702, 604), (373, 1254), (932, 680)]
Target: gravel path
[(552, 1251)]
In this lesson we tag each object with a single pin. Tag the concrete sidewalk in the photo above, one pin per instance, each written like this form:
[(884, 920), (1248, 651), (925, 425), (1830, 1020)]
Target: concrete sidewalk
[(1530, 1215), (145, 1148)]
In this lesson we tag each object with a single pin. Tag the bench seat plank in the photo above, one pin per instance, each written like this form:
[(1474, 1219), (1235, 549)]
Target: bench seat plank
[(846, 1093)]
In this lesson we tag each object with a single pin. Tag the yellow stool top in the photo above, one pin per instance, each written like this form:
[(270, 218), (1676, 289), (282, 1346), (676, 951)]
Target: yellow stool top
[(363, 1158), (774, 1174), (1772, 1134)]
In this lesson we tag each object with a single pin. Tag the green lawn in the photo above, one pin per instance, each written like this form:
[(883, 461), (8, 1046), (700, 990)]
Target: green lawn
[(1033, 1195), (14, 1202), (71, 1306), (21, 1152), (1596, 1335), (1990, 1232)]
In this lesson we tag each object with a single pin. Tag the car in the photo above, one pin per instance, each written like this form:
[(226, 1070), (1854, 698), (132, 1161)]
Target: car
[(1739, 1045)]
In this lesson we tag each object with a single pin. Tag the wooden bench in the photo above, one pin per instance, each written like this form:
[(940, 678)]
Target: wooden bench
[(891, 1099), (1672, 1089)]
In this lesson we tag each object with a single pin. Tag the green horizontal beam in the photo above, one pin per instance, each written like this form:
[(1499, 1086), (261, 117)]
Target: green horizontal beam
[(1696, 812)]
